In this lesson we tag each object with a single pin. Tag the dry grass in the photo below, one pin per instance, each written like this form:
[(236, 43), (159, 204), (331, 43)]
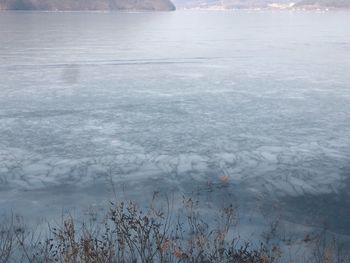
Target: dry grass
[(129, 234)]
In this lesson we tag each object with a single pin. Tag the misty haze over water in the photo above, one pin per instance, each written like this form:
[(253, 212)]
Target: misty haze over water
[(242, 106)]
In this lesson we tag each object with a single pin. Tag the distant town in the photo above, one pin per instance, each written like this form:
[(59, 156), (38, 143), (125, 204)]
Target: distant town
[(321, 5)]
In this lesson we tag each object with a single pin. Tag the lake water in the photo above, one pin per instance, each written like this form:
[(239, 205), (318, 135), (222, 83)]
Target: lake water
[(250, 107)]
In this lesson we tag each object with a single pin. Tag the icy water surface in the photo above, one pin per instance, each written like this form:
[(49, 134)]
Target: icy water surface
[(249, 105)]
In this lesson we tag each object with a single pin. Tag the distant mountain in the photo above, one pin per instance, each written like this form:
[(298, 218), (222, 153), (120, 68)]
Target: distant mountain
[(75, 5)]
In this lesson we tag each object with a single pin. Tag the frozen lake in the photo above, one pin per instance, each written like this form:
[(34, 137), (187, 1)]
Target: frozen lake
[(255, 105)]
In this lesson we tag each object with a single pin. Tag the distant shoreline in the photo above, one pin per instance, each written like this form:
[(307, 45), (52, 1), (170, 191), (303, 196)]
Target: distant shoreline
[(299, 9), (181, 9)]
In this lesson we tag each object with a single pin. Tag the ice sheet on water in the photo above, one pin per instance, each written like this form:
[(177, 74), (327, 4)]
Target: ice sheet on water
[(147, 98)]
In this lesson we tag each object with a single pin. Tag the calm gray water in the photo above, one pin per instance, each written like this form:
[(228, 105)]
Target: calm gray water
[(236, 105)]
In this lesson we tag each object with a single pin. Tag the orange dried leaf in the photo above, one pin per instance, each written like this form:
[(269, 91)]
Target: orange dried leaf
[(224, 178), (178, 252)]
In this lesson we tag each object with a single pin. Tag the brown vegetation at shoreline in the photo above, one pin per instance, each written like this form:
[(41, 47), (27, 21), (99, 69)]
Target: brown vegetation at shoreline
[(129, 234)]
